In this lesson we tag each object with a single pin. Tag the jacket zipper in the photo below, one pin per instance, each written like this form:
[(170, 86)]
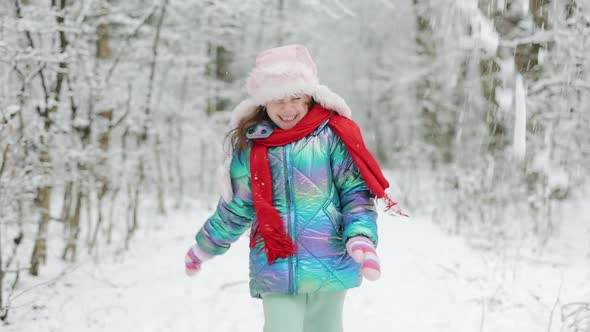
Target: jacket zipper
[(290, 217)]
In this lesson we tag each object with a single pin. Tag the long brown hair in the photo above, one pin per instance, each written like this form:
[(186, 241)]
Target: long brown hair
[(237, 135)]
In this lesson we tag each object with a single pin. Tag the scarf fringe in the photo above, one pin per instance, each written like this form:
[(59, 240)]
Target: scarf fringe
[(392, 207)]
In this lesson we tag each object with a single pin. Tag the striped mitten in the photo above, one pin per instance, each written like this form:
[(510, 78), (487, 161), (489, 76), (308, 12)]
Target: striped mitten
[(363, 252), (193, 259)]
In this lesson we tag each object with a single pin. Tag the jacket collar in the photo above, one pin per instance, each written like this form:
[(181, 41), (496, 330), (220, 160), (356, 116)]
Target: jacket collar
[(260, 130)]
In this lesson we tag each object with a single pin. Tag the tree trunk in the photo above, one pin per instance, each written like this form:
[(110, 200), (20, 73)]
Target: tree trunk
[(1, 277), (103, 50), (44, 192), (436, 133), (67, 204), (104, 182), (114, 195), (132, 215), (144, 136), (40, 248), (160, 177), (174, 162), (218, 71), (73, 227), (2, 167)]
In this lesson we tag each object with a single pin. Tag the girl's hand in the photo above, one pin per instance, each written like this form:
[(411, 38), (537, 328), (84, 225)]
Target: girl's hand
[(195, 256), (363, 252)]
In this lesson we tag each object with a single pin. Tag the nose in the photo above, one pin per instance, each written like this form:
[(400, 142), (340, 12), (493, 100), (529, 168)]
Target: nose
[(284, 105)]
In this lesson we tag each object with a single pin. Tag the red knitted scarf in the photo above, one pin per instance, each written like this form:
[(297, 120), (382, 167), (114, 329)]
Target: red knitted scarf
[(277, 243)]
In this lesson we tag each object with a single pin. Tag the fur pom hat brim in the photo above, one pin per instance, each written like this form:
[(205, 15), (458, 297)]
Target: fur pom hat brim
[(320, 93), (284, 72)]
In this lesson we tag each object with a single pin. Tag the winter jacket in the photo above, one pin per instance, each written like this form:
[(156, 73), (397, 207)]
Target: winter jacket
[(322, 200)]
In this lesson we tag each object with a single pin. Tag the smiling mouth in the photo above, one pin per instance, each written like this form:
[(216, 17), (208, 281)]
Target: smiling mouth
[(287, 118)]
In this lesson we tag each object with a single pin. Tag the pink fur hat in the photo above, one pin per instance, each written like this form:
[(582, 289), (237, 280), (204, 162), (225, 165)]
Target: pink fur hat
[(282, 72)]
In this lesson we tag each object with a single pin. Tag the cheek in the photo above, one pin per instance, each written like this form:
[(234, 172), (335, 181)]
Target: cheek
[(303, 109), (272, 112), (271, 109), (300, 108), (273, 117)]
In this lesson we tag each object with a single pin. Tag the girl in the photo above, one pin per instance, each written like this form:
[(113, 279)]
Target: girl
[(304, 182)]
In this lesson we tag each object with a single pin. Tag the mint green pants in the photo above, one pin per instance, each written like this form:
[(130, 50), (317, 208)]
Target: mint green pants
[(315, 312)]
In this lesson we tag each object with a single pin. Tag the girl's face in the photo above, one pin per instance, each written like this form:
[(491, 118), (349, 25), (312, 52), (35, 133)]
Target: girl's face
[(287, 112)]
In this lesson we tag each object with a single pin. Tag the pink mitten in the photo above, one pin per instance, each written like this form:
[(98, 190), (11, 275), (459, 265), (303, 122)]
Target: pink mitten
[(193, 259), (363, 252)]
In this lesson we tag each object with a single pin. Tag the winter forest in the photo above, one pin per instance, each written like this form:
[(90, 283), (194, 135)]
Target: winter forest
[(114, 114)]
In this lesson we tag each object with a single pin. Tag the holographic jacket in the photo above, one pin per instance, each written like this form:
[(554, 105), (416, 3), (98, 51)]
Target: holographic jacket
[(323, 201)]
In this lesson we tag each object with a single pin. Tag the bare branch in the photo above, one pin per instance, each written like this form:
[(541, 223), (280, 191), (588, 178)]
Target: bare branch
[(541, 37), (134, 32), (555, 305), (41, 74), (4, 158)]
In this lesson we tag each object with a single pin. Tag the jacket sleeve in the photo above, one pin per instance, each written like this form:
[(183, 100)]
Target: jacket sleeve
[(358, 208), (231, 219)]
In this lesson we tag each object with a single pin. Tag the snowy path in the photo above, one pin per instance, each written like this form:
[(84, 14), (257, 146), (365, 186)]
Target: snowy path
[(430, 282)]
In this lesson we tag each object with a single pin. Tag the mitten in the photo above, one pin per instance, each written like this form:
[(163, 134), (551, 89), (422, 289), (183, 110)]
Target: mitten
[(193, 259), (363, 252)]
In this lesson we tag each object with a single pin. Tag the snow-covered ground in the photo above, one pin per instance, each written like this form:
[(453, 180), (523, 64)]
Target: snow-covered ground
[(430, 282)]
